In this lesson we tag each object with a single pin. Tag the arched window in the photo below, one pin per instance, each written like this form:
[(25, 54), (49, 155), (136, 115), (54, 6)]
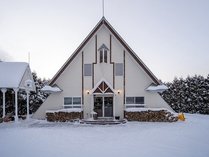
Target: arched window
[(103, 53)]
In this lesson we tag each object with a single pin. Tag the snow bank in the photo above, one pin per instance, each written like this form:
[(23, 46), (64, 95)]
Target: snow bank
[(134, 139), (68, 110)]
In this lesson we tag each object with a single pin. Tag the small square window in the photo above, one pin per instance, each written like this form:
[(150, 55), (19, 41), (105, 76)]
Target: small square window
[(87, 70), (139, 100), (118, 69), (76, 100), (67, 100), (129, 100)]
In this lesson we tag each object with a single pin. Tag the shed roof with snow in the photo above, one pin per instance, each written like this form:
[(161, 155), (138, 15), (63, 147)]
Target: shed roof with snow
[(15, 75)]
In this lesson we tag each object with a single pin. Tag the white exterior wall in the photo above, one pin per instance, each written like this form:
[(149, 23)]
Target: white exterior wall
[(53, 102), (88, 58), (118, 57), (136, 83), (103, 70), (70, 81)]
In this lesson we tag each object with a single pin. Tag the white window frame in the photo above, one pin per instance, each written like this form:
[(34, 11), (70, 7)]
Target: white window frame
[(134, 104), (72, 105)]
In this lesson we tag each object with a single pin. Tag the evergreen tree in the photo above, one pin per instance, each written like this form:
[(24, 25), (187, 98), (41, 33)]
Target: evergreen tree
[(38, 97), (190, 95)]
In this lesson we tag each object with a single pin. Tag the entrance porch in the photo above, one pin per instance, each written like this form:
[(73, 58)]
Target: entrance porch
[(103, 101)]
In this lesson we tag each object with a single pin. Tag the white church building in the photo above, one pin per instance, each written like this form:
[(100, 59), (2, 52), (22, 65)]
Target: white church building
[(104, 76)]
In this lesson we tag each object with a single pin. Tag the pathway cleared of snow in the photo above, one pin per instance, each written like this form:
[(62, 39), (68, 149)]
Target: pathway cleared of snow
[(135, 139)]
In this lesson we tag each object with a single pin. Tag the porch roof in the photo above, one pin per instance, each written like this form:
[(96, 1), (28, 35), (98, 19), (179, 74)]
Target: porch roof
[(12, 73), (98, 84)]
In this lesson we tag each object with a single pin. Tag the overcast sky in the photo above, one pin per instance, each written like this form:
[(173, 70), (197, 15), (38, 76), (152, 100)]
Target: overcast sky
[(170, 36)]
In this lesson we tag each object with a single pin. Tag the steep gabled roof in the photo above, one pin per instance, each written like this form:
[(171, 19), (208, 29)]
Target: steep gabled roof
[(12, 74), (103, 21)]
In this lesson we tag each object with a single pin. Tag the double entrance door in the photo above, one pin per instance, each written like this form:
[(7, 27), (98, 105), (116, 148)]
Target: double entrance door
[(103, 106)]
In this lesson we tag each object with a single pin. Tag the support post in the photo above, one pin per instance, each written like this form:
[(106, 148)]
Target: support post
[(16, 104), (114, 106), (92, 106), (28, 87), (27, 117), (3, 91)]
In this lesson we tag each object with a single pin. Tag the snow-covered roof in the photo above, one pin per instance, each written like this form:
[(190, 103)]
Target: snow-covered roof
[(11, 74), (49, 89), (159, 88)]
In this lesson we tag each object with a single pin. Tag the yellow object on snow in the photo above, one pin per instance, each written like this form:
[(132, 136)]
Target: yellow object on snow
[(181, 117)]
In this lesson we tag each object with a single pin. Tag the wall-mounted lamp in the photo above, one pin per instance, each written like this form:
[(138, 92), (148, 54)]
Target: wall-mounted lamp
[(118, 91), (87, 92)]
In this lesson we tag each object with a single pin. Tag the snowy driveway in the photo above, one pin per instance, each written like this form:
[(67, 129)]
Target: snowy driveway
[(134, 139)]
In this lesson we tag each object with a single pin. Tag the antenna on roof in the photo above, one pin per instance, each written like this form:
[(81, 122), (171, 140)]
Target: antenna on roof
[(103, 8)]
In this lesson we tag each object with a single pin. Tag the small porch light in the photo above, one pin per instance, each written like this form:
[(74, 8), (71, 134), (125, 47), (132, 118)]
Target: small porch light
[(118, 91), (87, 92)]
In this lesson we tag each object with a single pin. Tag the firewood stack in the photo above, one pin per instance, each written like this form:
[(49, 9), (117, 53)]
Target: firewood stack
[(63, 116), (151, 116)]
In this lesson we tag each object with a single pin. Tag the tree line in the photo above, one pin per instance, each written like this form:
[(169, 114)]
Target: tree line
[(190, 95)]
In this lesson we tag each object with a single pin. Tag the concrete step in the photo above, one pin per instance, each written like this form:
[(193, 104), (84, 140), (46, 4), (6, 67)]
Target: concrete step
[(103, 122)]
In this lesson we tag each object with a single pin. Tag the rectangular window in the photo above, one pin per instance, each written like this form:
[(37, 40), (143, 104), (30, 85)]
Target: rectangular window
[(129, 100), (87, 69), (139, 100), (68, 101), (72, 102), (134, 100), (101, 56), (76, 100), (105, 56), (118, 69)]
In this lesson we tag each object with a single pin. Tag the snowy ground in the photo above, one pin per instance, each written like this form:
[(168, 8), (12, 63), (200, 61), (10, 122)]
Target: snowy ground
[(134, 139)]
